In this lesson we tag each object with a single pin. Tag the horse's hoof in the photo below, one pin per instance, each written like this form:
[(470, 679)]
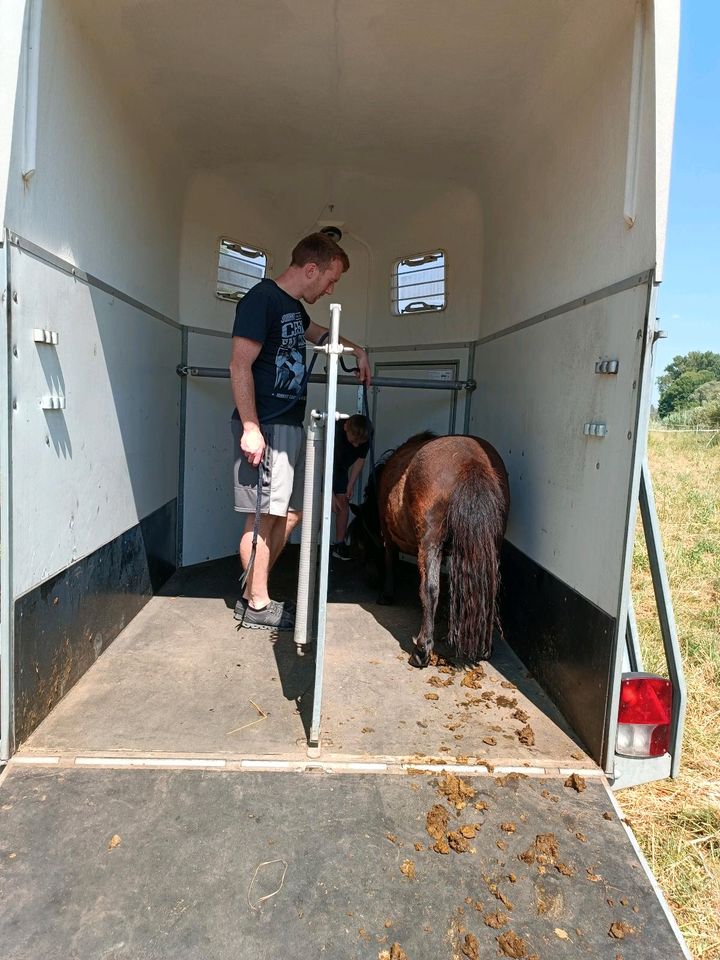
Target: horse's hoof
[(385, 600), (418, 660)]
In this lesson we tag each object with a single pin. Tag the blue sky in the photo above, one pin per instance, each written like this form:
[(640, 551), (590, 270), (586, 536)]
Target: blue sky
[(689, 296)]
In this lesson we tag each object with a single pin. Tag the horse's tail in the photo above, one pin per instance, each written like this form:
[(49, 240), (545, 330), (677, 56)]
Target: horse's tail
[(476, 523)]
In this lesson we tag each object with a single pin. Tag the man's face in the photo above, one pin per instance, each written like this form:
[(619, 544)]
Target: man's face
[(320, 282)]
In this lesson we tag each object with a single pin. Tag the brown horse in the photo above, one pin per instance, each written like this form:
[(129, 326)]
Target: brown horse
[(437, 495)]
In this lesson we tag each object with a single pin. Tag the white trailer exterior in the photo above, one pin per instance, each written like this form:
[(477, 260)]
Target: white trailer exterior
[(529, 141)]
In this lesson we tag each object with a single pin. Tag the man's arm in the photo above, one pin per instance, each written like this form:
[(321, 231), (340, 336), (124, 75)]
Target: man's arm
[(314, 332), (355, 471), (244, 354)]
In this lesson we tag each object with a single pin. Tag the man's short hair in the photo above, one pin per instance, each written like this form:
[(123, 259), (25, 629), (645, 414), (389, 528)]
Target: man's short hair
[(321, 249), (358, 427)]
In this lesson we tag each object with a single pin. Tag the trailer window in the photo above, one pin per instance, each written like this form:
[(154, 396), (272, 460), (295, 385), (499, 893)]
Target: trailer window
[(240, 267), (418, 283)]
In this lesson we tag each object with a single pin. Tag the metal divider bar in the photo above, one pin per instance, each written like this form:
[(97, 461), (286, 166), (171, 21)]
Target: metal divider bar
[(221, 373)]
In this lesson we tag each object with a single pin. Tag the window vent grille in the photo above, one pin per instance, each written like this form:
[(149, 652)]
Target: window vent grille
[(418, 283), (240, 267)]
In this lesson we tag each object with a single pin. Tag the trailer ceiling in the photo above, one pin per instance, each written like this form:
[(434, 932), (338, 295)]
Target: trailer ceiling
[(409, 85)]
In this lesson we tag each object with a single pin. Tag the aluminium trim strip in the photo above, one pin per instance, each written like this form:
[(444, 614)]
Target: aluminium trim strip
[(71, 270), (636, 280)]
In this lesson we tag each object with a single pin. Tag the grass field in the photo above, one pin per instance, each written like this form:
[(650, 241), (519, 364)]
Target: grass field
[(677, 822)]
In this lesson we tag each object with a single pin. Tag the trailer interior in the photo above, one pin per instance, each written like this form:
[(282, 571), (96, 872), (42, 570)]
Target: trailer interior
[(523, 149)]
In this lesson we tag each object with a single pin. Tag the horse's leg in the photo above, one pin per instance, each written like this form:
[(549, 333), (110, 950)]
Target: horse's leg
[(387, 595), (429, 561)]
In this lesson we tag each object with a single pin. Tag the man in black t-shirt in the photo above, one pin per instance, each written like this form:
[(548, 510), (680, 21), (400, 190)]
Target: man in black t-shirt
[(267, 371)]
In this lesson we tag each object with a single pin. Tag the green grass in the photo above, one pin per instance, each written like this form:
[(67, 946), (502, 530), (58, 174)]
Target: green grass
[(677, 822)]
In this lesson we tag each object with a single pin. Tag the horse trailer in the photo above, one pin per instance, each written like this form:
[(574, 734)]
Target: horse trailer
[(498, 173)]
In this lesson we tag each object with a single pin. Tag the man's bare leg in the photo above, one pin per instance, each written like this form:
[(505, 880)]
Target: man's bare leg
[(256, 588), (281, 534)]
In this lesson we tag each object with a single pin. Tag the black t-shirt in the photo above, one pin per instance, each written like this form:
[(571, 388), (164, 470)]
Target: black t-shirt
[(345, 453), (278, 321)]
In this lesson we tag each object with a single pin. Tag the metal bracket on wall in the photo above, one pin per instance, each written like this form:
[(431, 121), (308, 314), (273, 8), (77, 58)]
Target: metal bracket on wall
[(52, 401), (595, 429), (607, 366), (45, 336)]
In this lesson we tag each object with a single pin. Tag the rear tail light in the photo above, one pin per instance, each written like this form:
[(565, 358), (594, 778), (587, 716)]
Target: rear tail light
[(644, 716)]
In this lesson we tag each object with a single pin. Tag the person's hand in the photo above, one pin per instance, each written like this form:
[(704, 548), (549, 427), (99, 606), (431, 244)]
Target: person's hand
[(362, 373), (349, 493), (252, 444)]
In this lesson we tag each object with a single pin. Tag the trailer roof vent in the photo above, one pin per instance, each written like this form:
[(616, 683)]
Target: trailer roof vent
[(418, 283), (240, 267)]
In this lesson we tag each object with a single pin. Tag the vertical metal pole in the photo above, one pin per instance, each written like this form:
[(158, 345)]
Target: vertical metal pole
[(307, 571), (666, 616), (7, 616), (333, 350), (180, 526)]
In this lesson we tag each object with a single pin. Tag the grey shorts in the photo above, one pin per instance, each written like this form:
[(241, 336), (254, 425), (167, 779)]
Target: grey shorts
[(283, 471)]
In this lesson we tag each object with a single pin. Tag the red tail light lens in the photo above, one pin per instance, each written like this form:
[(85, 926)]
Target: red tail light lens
[(644, 716)]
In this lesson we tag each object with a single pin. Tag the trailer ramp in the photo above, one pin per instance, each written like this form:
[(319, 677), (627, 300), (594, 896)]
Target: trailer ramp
[(204, 863)]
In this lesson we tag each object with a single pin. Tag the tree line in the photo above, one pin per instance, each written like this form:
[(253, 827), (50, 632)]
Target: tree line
[(690, 391)]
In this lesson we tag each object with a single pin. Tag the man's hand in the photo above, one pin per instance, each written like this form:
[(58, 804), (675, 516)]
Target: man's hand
[(362, 373), (252, 444)]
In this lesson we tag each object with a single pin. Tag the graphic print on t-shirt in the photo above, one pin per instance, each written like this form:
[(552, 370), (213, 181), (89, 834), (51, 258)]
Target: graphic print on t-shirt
[(290, 357)]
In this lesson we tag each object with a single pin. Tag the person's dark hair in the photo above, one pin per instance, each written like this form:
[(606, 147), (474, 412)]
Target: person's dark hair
[(358, 427), (321, 249)]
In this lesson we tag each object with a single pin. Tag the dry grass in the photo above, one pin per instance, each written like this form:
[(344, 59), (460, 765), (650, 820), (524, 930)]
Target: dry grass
[(677, 822)]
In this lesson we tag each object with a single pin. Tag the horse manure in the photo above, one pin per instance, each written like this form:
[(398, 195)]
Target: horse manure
[(564, 869), (457, 791), (581, 837), (544, 850), (490, 741), (577, 755), (481, 805), (488, 695), (509, 779), (391, 837), (619, 930), (395, 952), (503, 701), (431, 696), (469, 831), (508, 827), (501, 844), (496, 920), (437, 682), (441, 846), (436, 821), (422, 723), (368, 730), (470, 947), (527, 736), (548, 796), (521, 716), (408, 869), (458, 842), (575, 782), (508, 685), (511, 945), (473, 678), (607, 816)]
